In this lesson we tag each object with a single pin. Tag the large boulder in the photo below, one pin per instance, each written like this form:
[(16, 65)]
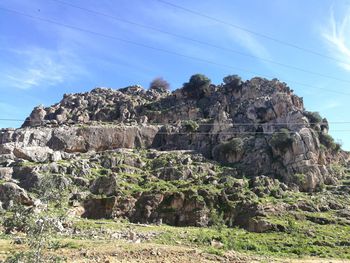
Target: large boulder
[(28, 176), (11, 193), (104, 185), (97, 208), (6, 173), (33, 153)]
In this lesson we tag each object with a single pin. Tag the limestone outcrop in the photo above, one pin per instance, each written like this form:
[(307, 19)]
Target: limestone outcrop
[(253, 134)]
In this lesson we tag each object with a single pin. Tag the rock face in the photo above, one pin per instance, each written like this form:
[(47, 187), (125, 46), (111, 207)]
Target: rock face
[(249, 112), (10, 193), (39, 144), (259, 127)]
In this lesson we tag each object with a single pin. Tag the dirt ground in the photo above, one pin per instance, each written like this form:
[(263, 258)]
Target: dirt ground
[(171, 254)]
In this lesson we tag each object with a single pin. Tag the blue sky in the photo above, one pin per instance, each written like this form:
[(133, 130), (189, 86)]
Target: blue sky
[(42, 61)]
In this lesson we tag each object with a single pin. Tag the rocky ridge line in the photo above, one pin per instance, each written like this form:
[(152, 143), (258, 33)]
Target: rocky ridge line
[(253, 134)]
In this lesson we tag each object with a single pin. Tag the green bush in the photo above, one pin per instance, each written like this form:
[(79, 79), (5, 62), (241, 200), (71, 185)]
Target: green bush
[(282, 139), (217, 220), (235, 145), (39, 229), (191, 126), (196, 86), (337, 147), (299, 178), (233, 81), (328, 141), (314, 117)]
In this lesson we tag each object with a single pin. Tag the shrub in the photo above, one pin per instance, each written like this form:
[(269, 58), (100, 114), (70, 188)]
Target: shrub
[(235, 145), (217, 220), (232, 81), (299, 178), (228, 152), (328, 142), (196, 86), (39, 228), (292, 226), (159, 84), (53, 189), (281, 139), (191, 126), (337, 147), (314, 117)]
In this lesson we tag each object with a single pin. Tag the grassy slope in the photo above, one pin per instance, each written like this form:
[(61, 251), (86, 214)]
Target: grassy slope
[(93, 241)]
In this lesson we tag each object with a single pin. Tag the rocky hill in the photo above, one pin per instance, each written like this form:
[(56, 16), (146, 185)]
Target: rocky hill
[(181, 158)]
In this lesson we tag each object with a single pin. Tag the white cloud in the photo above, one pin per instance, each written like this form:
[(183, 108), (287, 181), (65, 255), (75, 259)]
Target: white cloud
[(337, 36), (192, 26), (250, 43), (38, 67)]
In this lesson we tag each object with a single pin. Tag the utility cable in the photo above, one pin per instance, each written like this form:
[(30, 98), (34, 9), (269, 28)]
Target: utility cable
[(282, 42), (160, 49), (200, 41)]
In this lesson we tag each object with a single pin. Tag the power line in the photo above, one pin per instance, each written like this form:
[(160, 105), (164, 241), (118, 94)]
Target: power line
[(10, 120), (282, 42), (161, 50), (214, 124), (253, 124), (200, 41), (232, 133)]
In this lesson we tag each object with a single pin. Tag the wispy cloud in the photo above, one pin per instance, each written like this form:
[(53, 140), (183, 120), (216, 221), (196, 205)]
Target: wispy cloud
[(250, 43), (38, 67), (337, 36), (229, 38), (332, 104)]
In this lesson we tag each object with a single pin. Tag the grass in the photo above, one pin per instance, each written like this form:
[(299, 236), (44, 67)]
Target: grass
[(305, 238), (320, 234)]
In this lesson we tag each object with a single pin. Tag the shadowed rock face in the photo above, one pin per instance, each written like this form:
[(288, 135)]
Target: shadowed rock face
[(251, 112)]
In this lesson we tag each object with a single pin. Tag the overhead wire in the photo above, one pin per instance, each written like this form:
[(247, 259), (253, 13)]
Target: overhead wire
[(233, 133), (10, 120), (222, 123), (279, 41), (160, 49), (232, 125), (199, 41)]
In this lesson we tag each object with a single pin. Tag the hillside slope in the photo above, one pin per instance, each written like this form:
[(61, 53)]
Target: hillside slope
[(243, 154)]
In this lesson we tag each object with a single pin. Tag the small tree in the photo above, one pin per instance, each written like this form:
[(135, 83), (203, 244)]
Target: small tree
[(232, 81), (328, 141), (40, 226), (197, 85), (314, 117), (282, 139), (191, 126), (159, 84), (233, 146)]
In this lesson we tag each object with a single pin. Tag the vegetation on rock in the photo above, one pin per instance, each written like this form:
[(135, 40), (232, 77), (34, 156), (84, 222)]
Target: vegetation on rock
[(159, 84), (282, 139), (328, 141), (242, 160), (196, 86)]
